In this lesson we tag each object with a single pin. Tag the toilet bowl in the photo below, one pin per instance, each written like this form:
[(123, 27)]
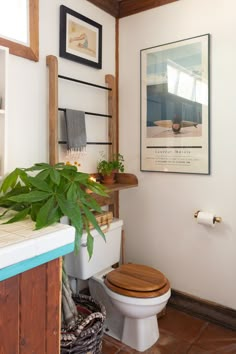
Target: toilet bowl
[(133, 294), (139, 293)]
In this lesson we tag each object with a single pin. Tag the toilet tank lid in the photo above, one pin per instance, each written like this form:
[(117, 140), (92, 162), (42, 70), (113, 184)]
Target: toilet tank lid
[(115, 224)]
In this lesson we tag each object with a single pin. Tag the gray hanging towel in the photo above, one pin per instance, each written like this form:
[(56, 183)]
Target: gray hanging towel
[(75, 130)]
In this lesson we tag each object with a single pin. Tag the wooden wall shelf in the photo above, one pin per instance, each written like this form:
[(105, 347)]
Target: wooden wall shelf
[(123, 181)]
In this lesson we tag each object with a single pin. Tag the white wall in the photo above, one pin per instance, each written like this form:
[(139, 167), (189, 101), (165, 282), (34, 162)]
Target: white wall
[(160, 228), (28, 87)]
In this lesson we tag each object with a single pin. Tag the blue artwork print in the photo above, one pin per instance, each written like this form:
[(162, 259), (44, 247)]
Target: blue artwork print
[(176, 90)]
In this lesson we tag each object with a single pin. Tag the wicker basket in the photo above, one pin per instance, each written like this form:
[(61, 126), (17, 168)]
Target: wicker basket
[(86, 336), (104, 218)]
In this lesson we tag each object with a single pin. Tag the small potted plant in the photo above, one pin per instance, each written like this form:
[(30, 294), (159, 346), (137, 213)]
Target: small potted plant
[(108, 168)]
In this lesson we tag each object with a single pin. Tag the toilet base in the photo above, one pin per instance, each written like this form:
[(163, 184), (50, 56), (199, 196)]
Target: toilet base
[(114, 322), (140, 334)]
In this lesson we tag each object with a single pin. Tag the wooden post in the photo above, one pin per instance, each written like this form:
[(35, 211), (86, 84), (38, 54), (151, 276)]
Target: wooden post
[(52, 64), (113, 131), (112, 110), (123, 247)]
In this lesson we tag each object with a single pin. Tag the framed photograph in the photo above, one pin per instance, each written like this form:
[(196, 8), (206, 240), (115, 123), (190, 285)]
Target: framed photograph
[(175, 106), (80, 38)]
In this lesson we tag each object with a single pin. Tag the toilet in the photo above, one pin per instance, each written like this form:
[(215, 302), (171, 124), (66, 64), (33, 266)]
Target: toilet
[(133, 294)]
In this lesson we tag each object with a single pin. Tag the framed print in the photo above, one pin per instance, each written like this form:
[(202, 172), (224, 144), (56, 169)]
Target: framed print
[(80, 38), (175, 106)]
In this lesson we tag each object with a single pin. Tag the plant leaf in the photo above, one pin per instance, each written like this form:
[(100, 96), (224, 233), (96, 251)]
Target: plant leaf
[(90, 242), (9, 208), (34, 210), (98, 189), (16, 191), (93, 221), (23, 177), (55, 176), (59, 165), (82, 178), (72, 192), (90, 203), (9, 181), (39, 184), (5, 212), (67, 173), (38, 167), (47, 214), (43, 174), (64, 167), (19, 216), (77, 242), (30, 197), (72, 210)]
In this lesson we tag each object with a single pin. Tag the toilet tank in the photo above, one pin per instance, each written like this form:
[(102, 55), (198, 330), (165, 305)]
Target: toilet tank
[(105, 254)]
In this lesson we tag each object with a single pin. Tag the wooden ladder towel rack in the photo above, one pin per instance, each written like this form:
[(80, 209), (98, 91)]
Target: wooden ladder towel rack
[(124, 180), (52, 63)]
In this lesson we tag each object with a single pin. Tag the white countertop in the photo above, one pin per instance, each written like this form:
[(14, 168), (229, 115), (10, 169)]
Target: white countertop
[(19, 241)]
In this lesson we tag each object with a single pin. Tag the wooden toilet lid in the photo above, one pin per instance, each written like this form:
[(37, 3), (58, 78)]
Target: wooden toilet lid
[(137, 280)]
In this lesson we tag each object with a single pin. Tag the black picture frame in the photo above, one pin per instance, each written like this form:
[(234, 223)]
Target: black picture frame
[(80, 38)]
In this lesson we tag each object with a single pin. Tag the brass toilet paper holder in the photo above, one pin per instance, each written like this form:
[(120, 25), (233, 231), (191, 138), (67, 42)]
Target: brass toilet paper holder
[(217, 219)]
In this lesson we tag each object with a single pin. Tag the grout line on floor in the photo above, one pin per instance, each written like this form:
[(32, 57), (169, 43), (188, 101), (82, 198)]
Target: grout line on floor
[(198, 336)]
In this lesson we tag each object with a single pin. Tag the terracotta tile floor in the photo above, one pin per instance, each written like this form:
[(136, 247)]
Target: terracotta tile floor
[(181, 333)]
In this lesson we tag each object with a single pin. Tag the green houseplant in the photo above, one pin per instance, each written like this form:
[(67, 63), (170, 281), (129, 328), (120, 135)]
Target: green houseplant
[(107, 168), (46, 193)]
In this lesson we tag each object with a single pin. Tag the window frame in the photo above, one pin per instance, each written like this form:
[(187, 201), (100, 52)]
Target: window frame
[(32, 51)]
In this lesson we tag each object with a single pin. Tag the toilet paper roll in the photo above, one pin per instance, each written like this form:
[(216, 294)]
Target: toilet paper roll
[(206, 218)]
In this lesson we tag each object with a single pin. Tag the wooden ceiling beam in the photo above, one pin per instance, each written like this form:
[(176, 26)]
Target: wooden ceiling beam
[(124, 8), (130, 7), (110, 6)]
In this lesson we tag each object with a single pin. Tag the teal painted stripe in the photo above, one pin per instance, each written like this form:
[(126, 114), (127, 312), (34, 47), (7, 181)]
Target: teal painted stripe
[(30, 263)]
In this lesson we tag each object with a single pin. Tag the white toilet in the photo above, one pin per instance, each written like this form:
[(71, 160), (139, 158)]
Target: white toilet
[(133, 294)]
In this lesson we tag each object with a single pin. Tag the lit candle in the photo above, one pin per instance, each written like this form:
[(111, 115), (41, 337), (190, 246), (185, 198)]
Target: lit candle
[(92, 179)]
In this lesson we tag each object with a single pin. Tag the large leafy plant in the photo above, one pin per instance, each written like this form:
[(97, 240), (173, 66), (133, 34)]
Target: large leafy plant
[(46, 193)]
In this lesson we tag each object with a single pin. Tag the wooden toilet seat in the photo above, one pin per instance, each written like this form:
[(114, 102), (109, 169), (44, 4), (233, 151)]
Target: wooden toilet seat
[(135, 280)]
